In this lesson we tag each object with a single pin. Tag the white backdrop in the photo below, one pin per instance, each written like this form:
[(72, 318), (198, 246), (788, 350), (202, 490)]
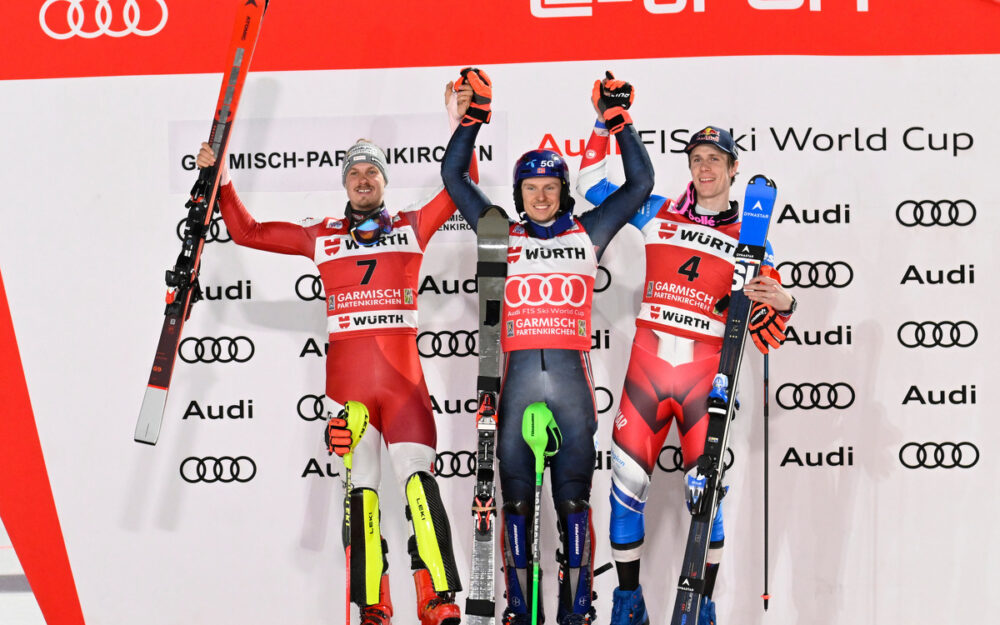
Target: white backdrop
[(94, 188)]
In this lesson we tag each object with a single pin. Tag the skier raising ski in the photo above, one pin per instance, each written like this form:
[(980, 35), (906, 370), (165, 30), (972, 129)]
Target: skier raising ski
[(675, 354), (546, 335), (369, 263)]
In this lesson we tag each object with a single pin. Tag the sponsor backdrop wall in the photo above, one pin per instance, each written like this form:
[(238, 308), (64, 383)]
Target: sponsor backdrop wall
[(881, 451)]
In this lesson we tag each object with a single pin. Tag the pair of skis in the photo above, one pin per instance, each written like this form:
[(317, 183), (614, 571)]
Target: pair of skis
[(757, 208), (183, 289)]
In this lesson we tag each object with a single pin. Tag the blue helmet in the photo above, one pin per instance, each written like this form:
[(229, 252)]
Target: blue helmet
[(542, 164)]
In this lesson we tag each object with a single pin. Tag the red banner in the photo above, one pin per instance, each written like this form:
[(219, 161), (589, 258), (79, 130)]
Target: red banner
[(26, 503), (69, 38)]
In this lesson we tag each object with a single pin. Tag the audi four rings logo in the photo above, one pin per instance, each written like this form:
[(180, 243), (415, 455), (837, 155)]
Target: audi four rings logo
[(209, 349), (600, 391), (822, 396), (821, 274), (103, 17), (601, 285), (939, 455), (311, 408), (216, 231), (937, 334), (455, 464), (552, 289), (445, 344), (935, 213), (224, 469), (309, 287), (675, 459)]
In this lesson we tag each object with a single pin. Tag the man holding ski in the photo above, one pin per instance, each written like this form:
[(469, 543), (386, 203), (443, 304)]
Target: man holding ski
[(690, 245), (366, 252), (552, 259)]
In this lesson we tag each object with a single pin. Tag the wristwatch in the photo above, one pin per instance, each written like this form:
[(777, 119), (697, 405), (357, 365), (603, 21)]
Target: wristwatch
[(792, 308)]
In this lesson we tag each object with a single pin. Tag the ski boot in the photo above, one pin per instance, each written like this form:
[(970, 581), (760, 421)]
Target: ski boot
[(579, 619), (379, 613), (706, 615), (434, 608), (513, 618), (628, 608)]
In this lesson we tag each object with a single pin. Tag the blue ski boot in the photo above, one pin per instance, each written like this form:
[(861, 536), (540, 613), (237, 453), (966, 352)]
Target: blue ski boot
[(628, 608), (706, 616)]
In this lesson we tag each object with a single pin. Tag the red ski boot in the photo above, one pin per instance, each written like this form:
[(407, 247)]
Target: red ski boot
[(379, 613), (434, 608)]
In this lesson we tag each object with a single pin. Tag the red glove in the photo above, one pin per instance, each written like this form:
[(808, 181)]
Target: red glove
[(338, 437), (766, 327), (612, 98), (482, 96)]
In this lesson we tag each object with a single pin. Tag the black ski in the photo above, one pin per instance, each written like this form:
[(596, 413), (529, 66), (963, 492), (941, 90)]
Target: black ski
[(491, 271), (750, 250), (183, 289)]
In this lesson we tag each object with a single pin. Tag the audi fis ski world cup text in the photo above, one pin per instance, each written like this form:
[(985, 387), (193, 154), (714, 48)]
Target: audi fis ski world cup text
[(796, 139)]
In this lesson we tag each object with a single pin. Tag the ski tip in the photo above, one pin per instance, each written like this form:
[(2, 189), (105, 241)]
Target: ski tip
[(492, 208), (764, 180)]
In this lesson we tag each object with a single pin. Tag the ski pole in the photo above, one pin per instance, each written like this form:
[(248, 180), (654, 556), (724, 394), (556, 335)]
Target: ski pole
[(765, 596), (356, 415), (542, 435)]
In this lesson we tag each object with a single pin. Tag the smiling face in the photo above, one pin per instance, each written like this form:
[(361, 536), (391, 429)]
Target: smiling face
[(712, 174), (541, 197), (365, 186)]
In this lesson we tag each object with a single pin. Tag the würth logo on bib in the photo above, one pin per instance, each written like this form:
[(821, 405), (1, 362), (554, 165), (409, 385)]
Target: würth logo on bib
[(332, 247), (513, 254), (344, 321), (667, 230)]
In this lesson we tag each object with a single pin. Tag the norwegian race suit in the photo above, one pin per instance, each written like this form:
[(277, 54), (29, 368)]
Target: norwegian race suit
[(546, 337), (371, 306), (676, 350)]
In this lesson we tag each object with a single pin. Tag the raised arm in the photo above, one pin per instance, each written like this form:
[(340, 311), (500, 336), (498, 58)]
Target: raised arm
[(273, 236), (466, 194), (612, 98), (440, 207), (593, 183)]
